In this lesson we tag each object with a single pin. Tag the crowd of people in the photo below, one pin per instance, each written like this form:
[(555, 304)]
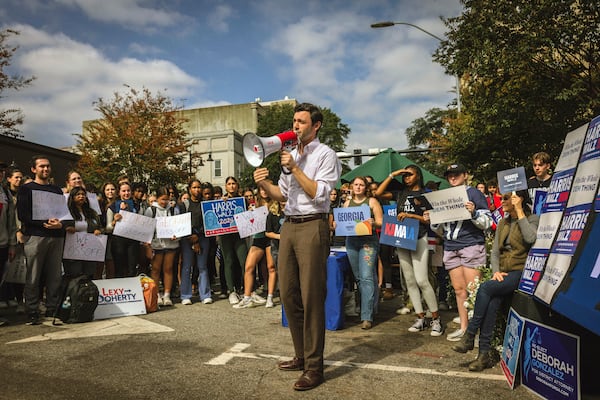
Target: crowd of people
[(295, 244)]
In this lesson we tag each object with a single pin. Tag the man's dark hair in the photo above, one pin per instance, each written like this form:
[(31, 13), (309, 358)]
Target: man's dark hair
[(315, 112), (34, 159)]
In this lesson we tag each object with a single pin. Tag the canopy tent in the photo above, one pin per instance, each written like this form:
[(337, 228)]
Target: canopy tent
[(380, 166)]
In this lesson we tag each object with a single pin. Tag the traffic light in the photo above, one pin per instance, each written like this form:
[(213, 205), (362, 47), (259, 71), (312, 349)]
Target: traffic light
[(358, 158)]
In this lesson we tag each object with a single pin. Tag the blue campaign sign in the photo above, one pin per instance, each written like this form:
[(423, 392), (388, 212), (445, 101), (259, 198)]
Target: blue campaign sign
[(512, 180), (390, 210), (571, 230), (511, 346), (550, 362), (591, 144), (579, 296), (352, 221), (217, 215), (558, 192), (532, 272), (403, 234)]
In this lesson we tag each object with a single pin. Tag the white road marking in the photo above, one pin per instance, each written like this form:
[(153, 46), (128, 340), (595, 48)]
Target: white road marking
[(238, 351), (107, 327)]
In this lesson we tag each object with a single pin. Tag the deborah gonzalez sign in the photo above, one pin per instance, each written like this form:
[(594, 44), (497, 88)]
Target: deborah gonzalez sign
[(119, 297)]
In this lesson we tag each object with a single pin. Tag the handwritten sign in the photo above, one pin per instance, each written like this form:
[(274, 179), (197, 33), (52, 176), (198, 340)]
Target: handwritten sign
[(176, 225), (119, 297), (448, 205), (135, 226), (403, 234), (218, 215), (84, 246), (47, 205), (352, 221), (512, 180), (251, 222)]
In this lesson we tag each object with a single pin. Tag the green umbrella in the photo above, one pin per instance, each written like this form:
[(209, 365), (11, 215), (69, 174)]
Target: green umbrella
[(380, 166)]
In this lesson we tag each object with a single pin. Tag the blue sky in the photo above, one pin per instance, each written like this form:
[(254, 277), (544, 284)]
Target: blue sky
[(207, 53)]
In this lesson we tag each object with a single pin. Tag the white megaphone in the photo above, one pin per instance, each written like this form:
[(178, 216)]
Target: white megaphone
[(257, 148)]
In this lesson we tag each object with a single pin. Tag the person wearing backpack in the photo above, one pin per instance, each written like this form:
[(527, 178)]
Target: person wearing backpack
[(85, 219), (164, 250)]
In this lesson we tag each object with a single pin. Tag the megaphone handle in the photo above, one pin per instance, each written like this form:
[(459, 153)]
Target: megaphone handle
[(285, 170)]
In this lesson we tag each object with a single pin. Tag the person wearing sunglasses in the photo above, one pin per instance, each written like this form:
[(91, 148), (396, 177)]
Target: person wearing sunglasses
[(515, 235)]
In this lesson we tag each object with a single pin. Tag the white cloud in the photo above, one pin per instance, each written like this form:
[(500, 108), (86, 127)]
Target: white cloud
[(127, 13), (219, 18), (71, 75)]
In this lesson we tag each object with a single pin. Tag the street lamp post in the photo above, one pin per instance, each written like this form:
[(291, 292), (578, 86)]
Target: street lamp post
[(386, 24)]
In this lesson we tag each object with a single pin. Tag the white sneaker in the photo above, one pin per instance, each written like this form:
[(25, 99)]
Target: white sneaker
[(207, 300), (437, 329), (256, 299), (456, 320), (245, 303), (403, 311), (186, 302), (234, 298), (160, 301), (167, 300), (418, 326), (456, 335), (270, 303)]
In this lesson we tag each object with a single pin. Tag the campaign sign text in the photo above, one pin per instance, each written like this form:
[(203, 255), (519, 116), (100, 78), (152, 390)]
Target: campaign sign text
[(84, 246), (550, 362), (350, 221), (448, 205), (512, 180), (251, 222), (218, 215), (119, 297), (135, 226), (403, 234), (532, 272), (174, 226)]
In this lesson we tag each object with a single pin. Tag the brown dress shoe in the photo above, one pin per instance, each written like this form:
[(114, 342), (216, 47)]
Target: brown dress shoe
[(366, 325), (309, 380), (295, 364), (388, 294)]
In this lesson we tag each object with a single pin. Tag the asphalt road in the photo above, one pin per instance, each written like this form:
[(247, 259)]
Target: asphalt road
[(216, 352)]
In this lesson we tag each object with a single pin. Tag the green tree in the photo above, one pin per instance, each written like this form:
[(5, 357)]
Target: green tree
[(139, 134), (530, 73), (279, 118), (10, 118)]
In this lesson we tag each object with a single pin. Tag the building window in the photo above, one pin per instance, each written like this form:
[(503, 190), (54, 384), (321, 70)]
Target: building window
[(218, 171)]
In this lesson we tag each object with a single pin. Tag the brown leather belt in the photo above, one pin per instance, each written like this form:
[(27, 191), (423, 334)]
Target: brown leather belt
[(305, 218)]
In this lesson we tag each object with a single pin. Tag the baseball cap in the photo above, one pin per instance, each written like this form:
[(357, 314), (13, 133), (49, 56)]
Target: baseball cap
[(455, 169)]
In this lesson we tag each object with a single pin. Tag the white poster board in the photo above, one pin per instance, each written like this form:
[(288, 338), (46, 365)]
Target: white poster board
[(85, 246), (174, 225), (448, 205), (251, 222), (119, 297), (135, 226), (47, 205)]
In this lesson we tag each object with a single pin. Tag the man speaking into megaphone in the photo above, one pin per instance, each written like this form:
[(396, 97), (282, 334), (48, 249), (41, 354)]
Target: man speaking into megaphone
[(304, 245)]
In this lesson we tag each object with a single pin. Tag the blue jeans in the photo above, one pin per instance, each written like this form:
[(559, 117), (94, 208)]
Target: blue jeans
[(191, 260), (489, 299), (362, 254)]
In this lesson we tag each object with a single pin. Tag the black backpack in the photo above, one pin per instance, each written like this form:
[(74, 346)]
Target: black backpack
[(79, 300)]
